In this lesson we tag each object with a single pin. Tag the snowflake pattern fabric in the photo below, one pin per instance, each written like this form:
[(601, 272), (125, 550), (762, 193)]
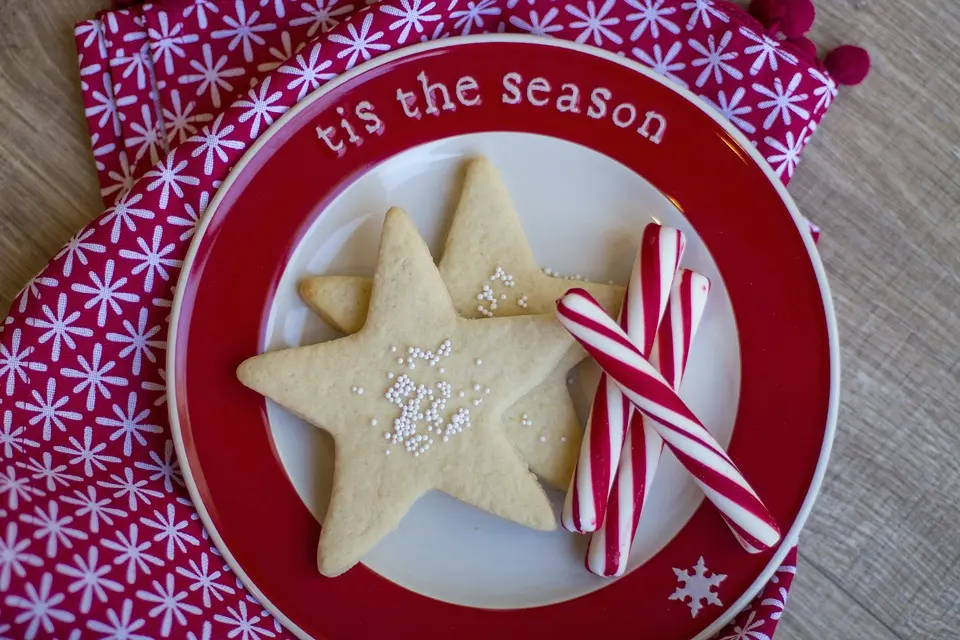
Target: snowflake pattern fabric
[(98, 538)]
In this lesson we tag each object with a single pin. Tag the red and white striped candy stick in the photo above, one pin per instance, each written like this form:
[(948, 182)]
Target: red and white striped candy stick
[(691, 443), (609, 547), (643, 305)]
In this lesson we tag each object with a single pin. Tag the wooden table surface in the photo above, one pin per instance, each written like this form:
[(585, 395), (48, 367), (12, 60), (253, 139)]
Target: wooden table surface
[(880, 557)]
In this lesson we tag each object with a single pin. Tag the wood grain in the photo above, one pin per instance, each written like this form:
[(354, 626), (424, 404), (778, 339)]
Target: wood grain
[(880, 558)]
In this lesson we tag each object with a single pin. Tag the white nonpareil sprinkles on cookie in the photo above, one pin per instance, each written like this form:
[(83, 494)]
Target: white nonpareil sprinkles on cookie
[(489, 296), (526, 421), (556, 274), (428, 356), (424, 418)]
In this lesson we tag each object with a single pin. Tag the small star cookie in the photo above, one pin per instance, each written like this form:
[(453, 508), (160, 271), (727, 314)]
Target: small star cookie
[(413, 401), (490, 271)]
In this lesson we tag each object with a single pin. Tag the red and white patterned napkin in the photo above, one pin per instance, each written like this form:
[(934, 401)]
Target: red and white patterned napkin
[(98, 537)]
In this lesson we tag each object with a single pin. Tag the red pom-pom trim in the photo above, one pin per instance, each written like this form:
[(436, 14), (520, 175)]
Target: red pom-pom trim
[(798, 18), (807, 48), (768, 12), (793, 18), (848, 64)]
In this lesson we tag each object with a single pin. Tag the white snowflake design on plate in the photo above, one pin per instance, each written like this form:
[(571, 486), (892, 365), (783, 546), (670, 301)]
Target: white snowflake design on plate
[(696, 587)]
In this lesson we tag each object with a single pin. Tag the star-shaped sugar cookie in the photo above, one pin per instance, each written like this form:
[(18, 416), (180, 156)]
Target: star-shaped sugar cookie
[(490, 271), (413, 401)]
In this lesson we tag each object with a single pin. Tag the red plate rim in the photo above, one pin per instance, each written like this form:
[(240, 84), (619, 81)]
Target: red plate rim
[(184, 295)]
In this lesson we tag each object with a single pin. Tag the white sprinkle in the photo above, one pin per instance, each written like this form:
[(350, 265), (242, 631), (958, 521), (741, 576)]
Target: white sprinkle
[(563, 438), (390, 376), (543, 438), (373, 422), (394, 349), (476, 387), (387, 436), (360, 391), (524, 416), (478, 362), (487, 390), (442, 370), (461, 394), (399, 360), (387, 452)]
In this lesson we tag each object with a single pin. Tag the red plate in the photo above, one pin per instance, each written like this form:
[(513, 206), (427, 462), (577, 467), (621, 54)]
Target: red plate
[(788, 394)]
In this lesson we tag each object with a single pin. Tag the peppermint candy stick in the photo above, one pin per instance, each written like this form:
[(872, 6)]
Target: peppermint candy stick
[(694, 447), (609, 547), (658, 257)]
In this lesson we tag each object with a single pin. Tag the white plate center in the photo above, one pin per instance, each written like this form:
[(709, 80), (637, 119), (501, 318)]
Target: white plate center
[(584, 214)]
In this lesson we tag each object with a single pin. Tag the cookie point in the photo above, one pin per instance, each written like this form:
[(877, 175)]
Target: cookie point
[(328, 568), (309, 288), (479, 163), (247, 371), (544, 519)]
